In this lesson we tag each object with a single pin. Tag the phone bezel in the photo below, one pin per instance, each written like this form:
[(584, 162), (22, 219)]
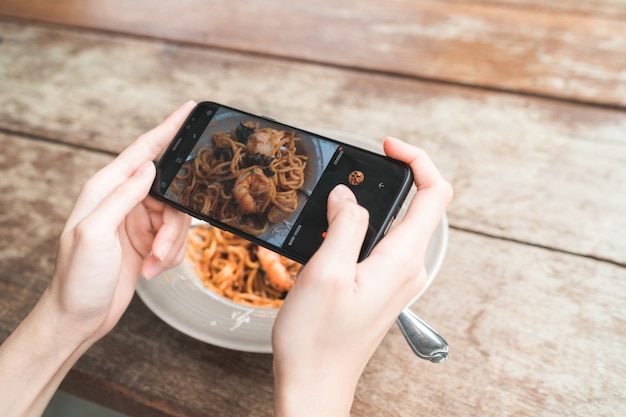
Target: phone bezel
[(197, 122)]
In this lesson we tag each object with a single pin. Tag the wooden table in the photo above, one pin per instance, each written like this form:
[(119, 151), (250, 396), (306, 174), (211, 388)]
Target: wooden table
[(521, 104)]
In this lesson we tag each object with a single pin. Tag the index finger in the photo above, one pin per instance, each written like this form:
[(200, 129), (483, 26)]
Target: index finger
[(146, 148), (427, 207)]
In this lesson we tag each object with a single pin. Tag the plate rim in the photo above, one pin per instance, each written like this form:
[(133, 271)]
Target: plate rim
[(440, 236)]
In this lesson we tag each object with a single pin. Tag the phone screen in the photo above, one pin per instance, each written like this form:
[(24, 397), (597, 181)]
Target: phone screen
[(270, 182)]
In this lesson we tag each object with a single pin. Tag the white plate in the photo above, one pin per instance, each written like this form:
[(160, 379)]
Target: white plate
[(180, 300)]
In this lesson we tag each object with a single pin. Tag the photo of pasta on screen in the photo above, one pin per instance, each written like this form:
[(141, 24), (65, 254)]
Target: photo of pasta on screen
[(248, 179), (238, 269)]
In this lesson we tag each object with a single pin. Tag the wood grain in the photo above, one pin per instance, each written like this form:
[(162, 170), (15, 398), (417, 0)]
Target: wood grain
[(611, 9), (531, 293), (525, 169), (564, 51), (532, 331), (38, 185)]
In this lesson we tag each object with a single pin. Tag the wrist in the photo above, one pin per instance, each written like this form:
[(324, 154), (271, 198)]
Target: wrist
[(77, 316), (62, 327), (312, 391), (35, 358)]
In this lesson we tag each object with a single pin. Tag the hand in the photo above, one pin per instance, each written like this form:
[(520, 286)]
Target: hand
[(115, 231), (339, 310)]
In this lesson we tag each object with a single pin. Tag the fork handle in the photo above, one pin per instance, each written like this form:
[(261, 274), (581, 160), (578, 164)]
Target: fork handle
[(425, 342)]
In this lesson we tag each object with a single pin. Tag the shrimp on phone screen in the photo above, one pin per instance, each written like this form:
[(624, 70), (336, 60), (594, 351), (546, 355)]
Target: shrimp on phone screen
[(253, 191), (263, 142), (280, 271)]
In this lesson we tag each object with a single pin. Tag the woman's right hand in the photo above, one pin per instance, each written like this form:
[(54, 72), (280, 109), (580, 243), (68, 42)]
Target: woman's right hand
[(339, 310)]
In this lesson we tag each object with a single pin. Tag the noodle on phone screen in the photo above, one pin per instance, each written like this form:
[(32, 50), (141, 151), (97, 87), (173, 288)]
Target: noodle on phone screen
[(248, 179), (238, 269)]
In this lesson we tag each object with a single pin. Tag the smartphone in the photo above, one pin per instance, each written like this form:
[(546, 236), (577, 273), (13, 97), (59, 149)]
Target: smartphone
[(269, 182)]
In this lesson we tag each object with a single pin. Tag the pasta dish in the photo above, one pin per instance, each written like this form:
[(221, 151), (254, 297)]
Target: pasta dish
[(248, 179), (238, 269)]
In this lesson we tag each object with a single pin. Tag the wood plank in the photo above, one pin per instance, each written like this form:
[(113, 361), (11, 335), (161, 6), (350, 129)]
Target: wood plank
[(532, 331), (612, 9), (526, 169), (38, 185), (554, 52)]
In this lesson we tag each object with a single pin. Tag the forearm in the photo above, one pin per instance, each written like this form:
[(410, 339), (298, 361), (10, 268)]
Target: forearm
[(35, 359)]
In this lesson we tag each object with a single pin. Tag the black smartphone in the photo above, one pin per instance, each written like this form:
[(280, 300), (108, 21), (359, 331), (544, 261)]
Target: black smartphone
[(269, 182)]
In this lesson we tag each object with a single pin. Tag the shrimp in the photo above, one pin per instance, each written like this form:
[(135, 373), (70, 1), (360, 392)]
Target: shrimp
[(262, 142), (277, 274), (253, 191)]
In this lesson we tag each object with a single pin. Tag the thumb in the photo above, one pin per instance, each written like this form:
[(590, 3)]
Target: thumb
[(347, 225)]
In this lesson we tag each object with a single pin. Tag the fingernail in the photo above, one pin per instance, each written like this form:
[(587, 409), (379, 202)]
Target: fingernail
[(163, 250), (342, 192), (151, 270)]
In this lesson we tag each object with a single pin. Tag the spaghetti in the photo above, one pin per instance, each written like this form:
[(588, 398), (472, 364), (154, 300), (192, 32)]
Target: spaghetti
[(248, 179), (230, 266)]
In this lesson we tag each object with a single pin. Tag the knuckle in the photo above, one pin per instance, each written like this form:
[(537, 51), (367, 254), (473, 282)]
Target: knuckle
[(357, 213), (400, 261), (420, 153), (329, 275), (90, 187), (85, 233), (445, 190), (352, 214), (441, 191), (147, 145)]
